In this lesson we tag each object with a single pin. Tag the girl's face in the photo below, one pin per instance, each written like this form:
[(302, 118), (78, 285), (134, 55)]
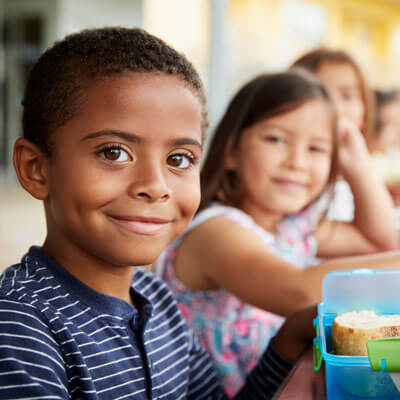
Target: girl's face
[(388, 135), (124, 172), (283, 162), (343, 84)]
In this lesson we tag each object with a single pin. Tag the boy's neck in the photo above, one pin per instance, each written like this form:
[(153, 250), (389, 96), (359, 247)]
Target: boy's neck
[(111, 280)]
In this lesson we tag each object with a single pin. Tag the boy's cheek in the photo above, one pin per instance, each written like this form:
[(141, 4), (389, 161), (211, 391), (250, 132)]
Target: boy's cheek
[(191, 200)]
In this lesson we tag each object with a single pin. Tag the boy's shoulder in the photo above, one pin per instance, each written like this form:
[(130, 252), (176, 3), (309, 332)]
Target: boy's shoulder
[(22, 284), (34, 286)]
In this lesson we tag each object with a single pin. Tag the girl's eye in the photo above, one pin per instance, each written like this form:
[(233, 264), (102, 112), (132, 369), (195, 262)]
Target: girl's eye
[(181, 161), (274, 139), (115, 154), (315, 149)]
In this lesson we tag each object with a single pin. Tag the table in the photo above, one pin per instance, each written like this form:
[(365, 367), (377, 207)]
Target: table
[(303, 383)]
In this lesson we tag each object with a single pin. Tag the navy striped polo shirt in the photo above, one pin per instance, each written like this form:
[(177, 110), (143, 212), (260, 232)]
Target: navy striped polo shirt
[(60, 339)]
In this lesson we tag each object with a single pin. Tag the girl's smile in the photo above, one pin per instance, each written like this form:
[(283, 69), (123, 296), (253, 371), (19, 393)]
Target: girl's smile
[(289, 184)]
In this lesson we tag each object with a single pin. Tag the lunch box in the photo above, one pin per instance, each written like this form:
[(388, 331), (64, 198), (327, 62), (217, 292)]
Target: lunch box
[(372, 377)]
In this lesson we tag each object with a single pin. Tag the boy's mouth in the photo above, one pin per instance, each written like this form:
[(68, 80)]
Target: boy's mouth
[(141, 225)]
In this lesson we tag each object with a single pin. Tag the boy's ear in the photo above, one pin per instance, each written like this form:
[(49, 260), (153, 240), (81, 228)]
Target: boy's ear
[(31, 167)]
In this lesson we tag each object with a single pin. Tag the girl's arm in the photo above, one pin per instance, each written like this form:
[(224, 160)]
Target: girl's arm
[(373, 228), (221, 254)]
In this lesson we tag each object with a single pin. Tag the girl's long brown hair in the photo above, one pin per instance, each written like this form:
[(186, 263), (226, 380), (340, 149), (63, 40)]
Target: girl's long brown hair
[(314, 59), (265, 96)]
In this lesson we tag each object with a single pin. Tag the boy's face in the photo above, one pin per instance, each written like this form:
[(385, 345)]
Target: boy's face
[(124, 173)]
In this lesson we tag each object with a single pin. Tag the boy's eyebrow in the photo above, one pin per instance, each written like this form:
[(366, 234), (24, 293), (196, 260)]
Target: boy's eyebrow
[(183, 141), (131, 137)]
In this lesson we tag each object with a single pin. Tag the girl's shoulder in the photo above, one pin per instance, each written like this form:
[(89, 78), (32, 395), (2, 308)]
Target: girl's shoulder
[(234, 214), (217, 209)]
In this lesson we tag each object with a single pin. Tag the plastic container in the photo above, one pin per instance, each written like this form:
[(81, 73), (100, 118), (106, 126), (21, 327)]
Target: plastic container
[(350, 377)]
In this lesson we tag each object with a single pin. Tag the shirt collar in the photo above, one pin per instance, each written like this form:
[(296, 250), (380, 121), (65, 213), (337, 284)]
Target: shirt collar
[(97, 301)]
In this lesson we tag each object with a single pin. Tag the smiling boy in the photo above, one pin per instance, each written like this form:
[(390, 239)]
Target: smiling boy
[(113, 125)]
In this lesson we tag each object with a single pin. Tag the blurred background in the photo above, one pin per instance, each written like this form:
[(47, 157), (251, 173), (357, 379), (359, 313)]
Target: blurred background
[(229, 41)]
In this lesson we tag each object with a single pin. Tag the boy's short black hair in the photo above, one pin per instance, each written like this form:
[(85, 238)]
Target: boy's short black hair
[(56, 81)]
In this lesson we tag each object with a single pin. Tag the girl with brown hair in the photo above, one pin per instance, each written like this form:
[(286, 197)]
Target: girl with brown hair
[(240, 260)]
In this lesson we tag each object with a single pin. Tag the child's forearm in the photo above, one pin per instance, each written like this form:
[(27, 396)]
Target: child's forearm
[(296, 334), (266, 377), (374, 212), (291, 341)]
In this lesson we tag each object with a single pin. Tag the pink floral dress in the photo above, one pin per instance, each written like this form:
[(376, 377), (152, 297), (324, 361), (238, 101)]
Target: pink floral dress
[(235, 333)]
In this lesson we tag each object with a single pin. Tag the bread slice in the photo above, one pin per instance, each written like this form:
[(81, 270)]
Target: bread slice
[(352, 330)]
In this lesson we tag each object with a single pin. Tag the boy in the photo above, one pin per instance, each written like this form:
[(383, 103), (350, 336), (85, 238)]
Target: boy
[(113, 127)]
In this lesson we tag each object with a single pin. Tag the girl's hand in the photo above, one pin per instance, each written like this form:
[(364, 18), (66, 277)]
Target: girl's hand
[(296, 334), (353, 151)]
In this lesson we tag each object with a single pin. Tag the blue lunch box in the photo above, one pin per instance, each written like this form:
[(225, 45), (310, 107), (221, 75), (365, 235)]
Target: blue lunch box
[(372, 377)]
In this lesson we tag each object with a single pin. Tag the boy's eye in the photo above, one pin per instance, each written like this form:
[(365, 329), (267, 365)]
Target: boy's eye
[(181, 161), (115, 154)]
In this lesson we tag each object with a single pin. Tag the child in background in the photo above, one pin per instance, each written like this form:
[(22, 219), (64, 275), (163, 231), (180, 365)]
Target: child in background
[(386, 136), (273, 154), (113, 126), (354, 101), (385, 144)]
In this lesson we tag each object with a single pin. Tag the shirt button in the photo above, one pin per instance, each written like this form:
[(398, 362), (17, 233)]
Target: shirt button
[(133, 323)]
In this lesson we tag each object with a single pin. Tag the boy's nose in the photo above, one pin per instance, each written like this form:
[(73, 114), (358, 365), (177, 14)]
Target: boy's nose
[(150, 184)]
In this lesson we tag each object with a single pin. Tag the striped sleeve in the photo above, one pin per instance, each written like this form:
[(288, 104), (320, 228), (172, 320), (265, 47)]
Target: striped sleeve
[(203, 382), (266, 377), (30, 360)]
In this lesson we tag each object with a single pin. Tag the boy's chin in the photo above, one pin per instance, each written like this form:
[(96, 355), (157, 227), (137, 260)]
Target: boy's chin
[(129, 253), (134, 260)]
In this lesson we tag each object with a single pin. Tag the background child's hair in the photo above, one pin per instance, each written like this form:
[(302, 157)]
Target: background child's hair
[(264, 97), (55, 86), (314, 59), (383, 97)]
